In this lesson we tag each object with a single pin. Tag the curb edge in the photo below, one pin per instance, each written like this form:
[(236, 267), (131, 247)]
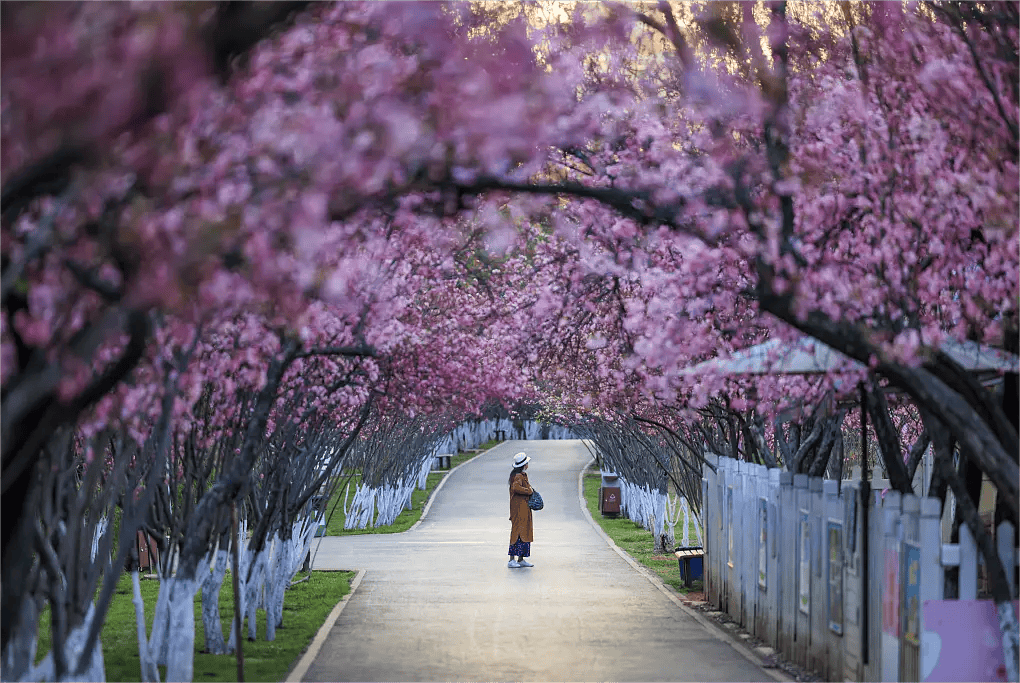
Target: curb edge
[(309, 655)]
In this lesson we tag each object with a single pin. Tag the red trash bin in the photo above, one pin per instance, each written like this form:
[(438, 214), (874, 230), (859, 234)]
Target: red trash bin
[(609, 500)]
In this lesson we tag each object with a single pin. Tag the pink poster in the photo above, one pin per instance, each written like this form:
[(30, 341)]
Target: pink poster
[(891, 594), (960, 641)]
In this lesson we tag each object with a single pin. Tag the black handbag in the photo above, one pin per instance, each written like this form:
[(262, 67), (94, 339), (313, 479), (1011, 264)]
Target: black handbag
[(535, 501)]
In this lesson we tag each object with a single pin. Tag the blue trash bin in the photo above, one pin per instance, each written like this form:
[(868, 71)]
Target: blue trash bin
[(692, 563)]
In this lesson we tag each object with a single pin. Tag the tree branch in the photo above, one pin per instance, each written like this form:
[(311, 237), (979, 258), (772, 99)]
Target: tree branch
[(634, 204), (89, 278), (888, 440), (917, 452), (360, 351), (239, 26), (976, 438)]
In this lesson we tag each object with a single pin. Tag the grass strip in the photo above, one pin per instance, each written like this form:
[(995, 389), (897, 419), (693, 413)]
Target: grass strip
[(634, 539), (305, 609), (406, 519)]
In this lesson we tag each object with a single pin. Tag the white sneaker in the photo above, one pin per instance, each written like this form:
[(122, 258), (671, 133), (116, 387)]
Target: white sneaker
[(524, 563), (513, 564)]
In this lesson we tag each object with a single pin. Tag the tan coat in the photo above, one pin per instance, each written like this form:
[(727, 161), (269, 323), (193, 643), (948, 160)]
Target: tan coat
[(520, 513)]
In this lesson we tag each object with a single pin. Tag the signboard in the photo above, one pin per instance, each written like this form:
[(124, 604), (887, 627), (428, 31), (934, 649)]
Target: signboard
[(960, 641), (805, 563), (835, 536), (763, 543), (912, 593)]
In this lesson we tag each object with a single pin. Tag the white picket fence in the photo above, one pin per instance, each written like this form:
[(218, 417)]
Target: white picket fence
[(784, 557), (472, 434)]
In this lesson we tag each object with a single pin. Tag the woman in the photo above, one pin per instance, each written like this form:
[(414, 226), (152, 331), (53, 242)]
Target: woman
[(521, 529)]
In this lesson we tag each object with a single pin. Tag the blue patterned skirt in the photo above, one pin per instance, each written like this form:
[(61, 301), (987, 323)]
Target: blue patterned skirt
[(520, 548)]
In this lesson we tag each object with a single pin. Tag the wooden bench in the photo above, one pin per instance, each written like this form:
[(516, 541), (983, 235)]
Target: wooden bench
[(442, 461), (684, 557)]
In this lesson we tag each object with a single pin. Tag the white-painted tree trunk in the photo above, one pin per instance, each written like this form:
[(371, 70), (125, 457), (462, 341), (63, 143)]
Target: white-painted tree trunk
[(172, 643), (19, 656), (391, 501), (254, 590), (274, 584), (362, 508), (1008, 629), (211, 623), (257, 592), (149, 671), (181, 637), (98, 536), (243, 559), (426, 468), (74, 645), (286, 562), (161, 623)]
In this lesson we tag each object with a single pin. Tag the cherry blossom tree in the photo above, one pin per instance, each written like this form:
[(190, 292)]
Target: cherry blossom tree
[(204, 182), (845, 177), (433, 201)]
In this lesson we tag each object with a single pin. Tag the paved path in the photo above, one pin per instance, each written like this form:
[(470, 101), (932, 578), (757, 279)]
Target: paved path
[(439, 603)]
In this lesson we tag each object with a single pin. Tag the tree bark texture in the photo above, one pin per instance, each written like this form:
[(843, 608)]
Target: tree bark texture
[(73, 646), (243, 561), (181, 637), (213, 627), (19, 655), (149, 670)]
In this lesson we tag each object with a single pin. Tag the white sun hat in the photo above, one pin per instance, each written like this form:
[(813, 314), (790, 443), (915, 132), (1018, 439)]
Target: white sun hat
[(521, 459)]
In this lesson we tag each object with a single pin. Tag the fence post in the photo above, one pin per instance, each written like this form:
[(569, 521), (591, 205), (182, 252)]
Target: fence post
[(873, 591), (832, 542), (802, 603), (722, 544), (1007, 553), (930, 537), (786, 609), (725, 479), (707, 510), (749, 556), (889, 586), (819, 641), (759, 552), (968, 564), (736, 512), (854, 593), (772, 587), (910, 590)]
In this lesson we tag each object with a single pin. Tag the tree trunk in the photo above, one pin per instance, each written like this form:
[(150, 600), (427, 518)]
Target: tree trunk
[(212, 625), (812, 439), (181, 637), (888, 440), (275, 585), (161, 622), (255, 589), (243, 560), (172, 643), (74, 645), (835, 468), (19, 655), (149, 670)]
